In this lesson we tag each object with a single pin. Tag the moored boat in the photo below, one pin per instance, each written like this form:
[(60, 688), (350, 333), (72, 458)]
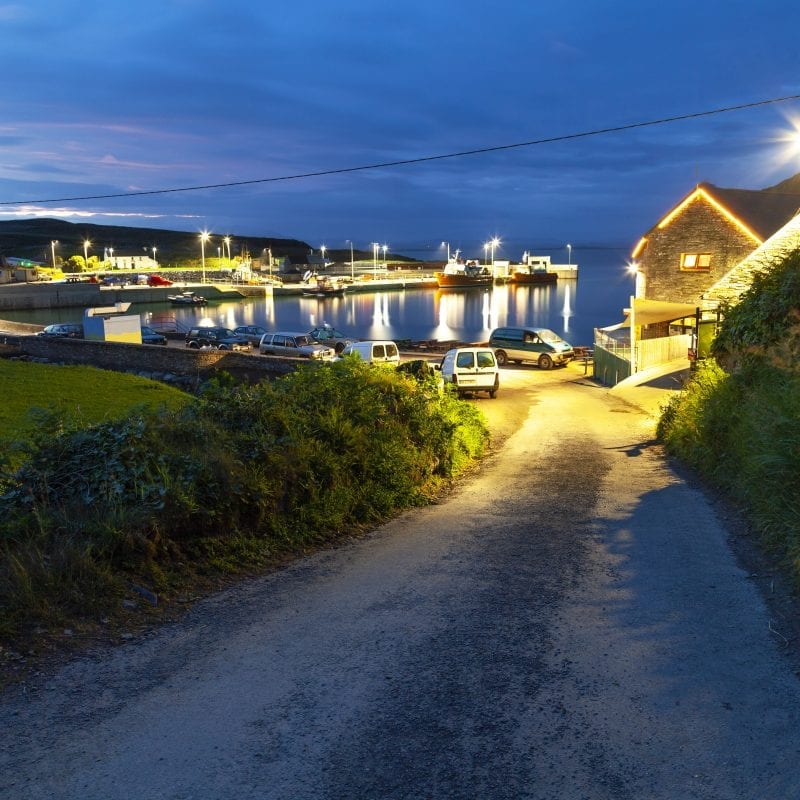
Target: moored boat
[(187, 299), (460, 274), (325, 287), (533, 276)]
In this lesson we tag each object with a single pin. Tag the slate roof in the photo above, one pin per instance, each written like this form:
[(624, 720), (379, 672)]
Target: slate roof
[(764, 211)]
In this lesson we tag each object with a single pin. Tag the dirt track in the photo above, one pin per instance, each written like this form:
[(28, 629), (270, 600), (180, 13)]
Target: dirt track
[(570, 624)]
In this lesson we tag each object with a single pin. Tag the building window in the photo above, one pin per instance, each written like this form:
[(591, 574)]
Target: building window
[(695, 261)]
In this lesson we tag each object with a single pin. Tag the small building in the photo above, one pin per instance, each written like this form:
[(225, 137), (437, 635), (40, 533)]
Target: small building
[(708, 233), (112, 324)]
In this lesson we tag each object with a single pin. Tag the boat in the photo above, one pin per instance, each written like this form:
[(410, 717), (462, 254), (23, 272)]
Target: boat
[(461, 274), (187, 299), (527, 275), (324, 287)]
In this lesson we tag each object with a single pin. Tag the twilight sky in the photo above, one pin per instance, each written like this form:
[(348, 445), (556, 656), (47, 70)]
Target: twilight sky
[(107, 97)]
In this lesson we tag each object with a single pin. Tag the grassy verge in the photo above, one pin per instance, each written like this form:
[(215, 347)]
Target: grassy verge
[(232, 482), (742, 432)]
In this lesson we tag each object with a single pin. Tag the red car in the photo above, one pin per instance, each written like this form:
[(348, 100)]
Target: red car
[(157, 280)]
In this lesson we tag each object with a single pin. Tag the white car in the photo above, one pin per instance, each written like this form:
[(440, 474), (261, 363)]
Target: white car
[(471, 369)]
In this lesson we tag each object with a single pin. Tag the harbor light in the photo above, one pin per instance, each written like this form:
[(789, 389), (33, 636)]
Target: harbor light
[(204, 237), (86, 245)]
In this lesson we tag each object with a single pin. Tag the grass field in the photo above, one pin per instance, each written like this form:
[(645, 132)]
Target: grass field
[(83, 394)]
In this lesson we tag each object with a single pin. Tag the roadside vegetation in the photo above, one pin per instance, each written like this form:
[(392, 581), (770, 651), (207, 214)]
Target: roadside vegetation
[(234, 480), (738, 421)]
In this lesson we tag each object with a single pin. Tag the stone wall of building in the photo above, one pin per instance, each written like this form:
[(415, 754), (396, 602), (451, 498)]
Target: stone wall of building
[(699, 228)]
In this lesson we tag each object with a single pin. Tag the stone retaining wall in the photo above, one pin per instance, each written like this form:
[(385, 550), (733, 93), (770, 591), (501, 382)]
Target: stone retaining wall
[(195, 365)]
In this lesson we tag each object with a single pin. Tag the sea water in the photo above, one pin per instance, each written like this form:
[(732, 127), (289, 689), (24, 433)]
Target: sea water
[(572, 308)]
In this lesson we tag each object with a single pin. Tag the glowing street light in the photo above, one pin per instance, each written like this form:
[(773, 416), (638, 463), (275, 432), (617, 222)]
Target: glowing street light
[(86, 245), (53, 244), (322, 250), (154, 254), (495, 243), (352, 263), (633, 269), (227, 241), (385, 247), (204, 237), (375, 246), (569, 255), (447, 245)]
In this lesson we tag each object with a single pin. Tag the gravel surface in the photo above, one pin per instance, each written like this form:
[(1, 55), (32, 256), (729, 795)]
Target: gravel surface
[(571, 624)]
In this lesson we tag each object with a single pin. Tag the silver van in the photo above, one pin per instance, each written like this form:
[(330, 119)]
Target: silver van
[(540, 345), (374, 352), (471, 369)]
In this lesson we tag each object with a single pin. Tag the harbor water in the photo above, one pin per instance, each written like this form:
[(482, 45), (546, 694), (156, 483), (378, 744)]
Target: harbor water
[(571, 308)]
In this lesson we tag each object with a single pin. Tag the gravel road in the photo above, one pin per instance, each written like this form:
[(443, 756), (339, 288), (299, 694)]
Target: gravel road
[(570, 624)]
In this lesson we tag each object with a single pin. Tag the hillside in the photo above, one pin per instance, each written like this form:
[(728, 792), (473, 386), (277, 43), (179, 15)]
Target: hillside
[(31, 239)]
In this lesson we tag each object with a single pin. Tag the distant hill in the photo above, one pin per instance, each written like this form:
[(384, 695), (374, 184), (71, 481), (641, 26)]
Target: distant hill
[(31, 239)]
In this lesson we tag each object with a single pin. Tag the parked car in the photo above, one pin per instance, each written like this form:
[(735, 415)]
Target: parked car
[(328, 335), (541, 345), (471, 369), (151, 336), (216, 338), (294, 345), (114, 280), (252, 333), (139, 280), (157, 280), (67, 330), (374, 352)]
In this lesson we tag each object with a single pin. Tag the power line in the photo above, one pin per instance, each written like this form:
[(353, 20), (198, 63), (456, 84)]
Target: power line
[(418, 160)]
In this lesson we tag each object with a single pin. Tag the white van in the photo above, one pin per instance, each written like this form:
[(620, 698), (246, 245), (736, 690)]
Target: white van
[(471, 369), (379, 352)]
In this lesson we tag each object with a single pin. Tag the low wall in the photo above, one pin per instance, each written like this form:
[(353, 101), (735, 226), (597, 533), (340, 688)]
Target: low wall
[(190, 365)]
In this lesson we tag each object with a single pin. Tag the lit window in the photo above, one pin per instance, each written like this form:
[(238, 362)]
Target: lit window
[(696, 261)]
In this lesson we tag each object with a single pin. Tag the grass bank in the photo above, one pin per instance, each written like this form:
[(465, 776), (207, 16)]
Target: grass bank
[(233, 481)]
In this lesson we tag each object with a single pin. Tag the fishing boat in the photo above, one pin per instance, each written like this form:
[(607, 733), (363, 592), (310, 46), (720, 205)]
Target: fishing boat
[(461, 274), (324, 287), (187, 299), (528, 275)]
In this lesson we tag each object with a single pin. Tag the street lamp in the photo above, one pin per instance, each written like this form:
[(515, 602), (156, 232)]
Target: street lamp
[(154, 255), (204, 237), (569, 255), (447, 245), (227, 241), (495, 243), (53, 244), (322, 250), (111, 256), (352, 263), (374, 260), (385, 247), (86, 244), (633, 269)]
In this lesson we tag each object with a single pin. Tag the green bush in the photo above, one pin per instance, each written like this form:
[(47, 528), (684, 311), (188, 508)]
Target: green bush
[(243, 473)]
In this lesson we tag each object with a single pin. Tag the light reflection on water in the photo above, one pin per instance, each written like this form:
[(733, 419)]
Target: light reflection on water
[(572, 308)]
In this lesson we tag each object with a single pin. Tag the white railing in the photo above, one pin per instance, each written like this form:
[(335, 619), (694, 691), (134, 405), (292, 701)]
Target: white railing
[(650, 352)]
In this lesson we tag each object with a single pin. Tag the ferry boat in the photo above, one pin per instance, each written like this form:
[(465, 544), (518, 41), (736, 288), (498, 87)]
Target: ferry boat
[(461, 274), (528, 275), (324, 287)]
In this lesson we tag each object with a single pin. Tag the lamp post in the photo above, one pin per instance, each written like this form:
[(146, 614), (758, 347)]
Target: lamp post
[(53, 244), (447, 245), (204, 237), (569, 255), (227, 241), (385, 247), (374, 260), (86, 244), (111, 256), (495, 243), (154, 255), (322, 250), (352, 263)]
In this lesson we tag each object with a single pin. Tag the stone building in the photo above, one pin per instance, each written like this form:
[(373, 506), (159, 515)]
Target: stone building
[(699, 243)]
